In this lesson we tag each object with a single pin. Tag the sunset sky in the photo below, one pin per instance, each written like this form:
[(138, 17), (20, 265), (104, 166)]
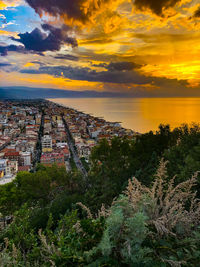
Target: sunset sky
[(141, 47)]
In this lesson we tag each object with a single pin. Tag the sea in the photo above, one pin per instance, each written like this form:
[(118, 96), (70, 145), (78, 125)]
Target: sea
[(139, 114)]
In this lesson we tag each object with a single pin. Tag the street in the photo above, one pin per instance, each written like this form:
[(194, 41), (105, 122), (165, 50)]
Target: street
[(76, 158)]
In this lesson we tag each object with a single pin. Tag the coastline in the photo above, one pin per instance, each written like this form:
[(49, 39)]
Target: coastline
[(140, 115), (89, 114)]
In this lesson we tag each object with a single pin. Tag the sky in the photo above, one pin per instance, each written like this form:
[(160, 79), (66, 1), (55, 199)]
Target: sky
[(138, 47)]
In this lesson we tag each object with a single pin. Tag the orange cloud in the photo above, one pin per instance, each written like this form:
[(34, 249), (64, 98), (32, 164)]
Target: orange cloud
[(45, 80), (189, 71), (9, 3), (8, 33), (29, 64), (110, 31)]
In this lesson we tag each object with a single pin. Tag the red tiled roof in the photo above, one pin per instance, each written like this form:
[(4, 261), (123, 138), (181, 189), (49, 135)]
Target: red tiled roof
[(11, 154)]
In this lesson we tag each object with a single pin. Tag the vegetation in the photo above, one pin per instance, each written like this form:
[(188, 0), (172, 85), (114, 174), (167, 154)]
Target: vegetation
[(85, 164), (58, 218)]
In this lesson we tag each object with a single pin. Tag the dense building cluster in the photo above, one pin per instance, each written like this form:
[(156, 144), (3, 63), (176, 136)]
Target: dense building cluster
[(19, 128), (54, 141), (42, 131), (87, 130)]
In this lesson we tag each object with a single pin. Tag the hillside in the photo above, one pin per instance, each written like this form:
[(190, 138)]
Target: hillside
[(63, 219)]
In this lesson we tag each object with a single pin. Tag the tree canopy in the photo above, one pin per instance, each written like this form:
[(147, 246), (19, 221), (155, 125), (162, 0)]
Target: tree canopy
[(138, 206)]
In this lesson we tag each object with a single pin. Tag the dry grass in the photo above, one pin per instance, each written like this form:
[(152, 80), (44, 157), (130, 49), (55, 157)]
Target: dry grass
[(8, 258), (166, 205), (103, 212), (47, 250), (89, 214)]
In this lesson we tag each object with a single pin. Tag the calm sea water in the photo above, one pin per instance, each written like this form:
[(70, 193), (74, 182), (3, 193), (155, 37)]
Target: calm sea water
[(139, 114)]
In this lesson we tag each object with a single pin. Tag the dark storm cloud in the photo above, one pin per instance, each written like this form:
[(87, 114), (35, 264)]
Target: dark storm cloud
[(86, 74), (197, 13), (38, 62), (12, 48), (40, 42), (5, 65), (101, 65), (158, 86), (67, 56), (156, 6), (118, 66), (80, 10), (122, 66)]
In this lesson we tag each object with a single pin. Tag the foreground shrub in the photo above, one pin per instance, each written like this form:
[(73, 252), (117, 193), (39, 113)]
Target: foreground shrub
[(156, 226), (153, 226)]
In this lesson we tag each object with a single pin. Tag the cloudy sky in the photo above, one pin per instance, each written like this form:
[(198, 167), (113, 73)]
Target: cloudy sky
[(141, 47)]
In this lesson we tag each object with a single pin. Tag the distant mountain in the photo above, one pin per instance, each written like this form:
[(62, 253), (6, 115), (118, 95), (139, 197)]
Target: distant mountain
[(19, 92)]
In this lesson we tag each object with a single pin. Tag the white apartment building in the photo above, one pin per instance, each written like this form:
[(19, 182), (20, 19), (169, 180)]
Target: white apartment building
[(26, 158), (3, 166), (46, 142), (8, 168)]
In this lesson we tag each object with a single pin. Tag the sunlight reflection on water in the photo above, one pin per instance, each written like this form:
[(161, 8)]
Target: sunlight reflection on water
[(139, 114)]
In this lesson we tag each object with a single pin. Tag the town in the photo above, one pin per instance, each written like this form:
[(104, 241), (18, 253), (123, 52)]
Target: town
[(40, 131)]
